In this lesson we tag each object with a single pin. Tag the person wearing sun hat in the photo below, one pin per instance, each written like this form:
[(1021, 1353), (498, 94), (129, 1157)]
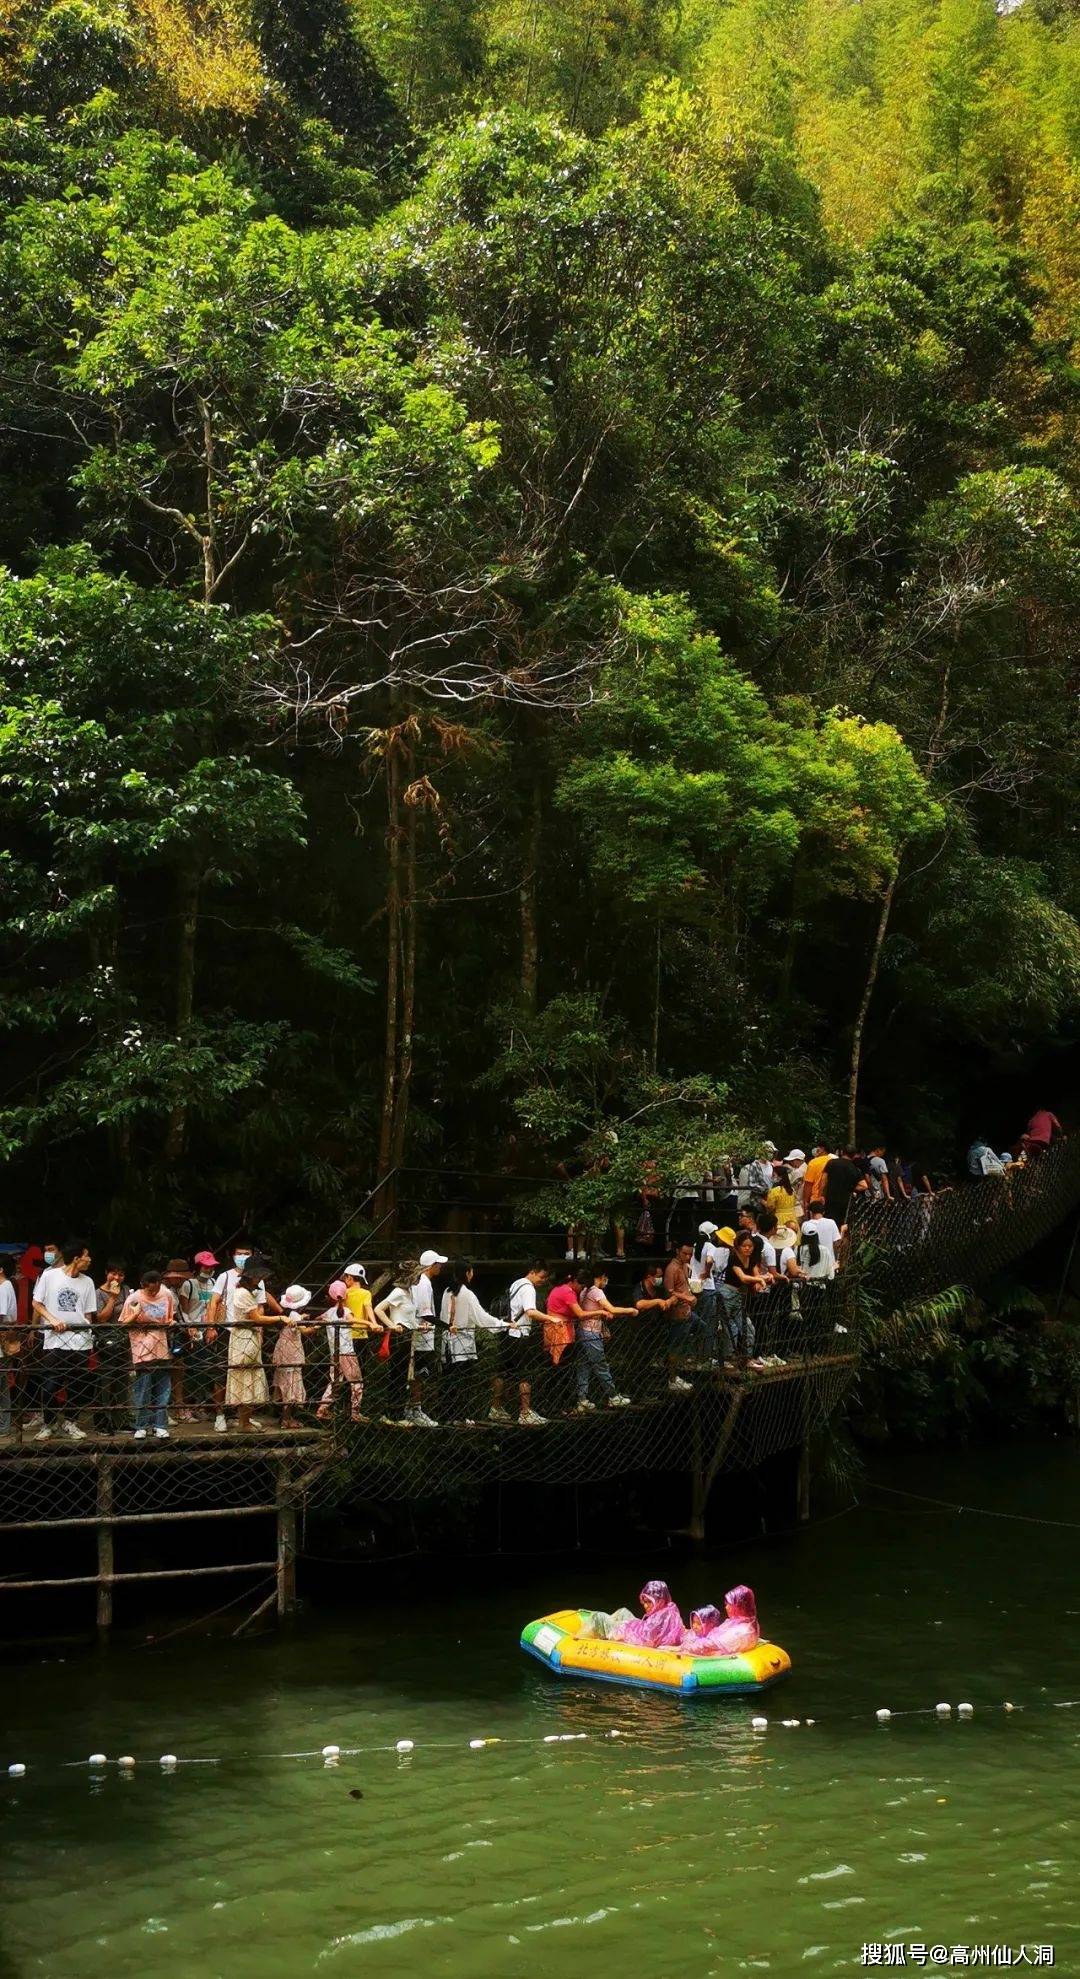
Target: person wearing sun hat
[(288, 1356), (344, 1365)]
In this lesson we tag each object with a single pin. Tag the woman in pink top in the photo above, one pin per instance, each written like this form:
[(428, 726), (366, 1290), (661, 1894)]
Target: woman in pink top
[(594, 1310), (148, 1315), (710, 1634)]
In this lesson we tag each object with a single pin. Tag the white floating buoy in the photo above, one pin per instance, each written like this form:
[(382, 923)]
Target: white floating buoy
[(616, 1734), (883, 1716), (404, 1745), (1008, 1707), (16, 1772), (552, 1738), (789, 1723), (943, 1710), (475, 1744), (811, 1721), (965, 1710), (331, 1752), (168, 1760), (97, 1759), (127, 1762), (759, 1724)]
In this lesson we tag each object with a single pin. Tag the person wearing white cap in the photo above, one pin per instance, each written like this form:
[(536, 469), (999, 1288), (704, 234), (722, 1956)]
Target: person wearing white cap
[(288, 1356), (795, 1163), (411, 1307)]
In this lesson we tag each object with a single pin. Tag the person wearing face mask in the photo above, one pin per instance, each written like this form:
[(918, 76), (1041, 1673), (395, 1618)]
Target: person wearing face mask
[(221, 1310)]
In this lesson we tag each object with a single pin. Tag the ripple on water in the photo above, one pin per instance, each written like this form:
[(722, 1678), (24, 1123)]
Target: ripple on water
[(376, 1933)]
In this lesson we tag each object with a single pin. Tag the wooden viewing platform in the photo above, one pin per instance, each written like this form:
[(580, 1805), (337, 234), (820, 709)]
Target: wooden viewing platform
[(108, 1486)]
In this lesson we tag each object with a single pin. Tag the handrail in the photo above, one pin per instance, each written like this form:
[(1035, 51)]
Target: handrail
[(379, 1186)]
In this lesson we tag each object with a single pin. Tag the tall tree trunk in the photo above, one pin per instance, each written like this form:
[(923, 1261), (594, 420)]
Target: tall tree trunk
[(654, 1054), (530, 929), (393, 940), (187, 907), (408, 993), (864, 1006)]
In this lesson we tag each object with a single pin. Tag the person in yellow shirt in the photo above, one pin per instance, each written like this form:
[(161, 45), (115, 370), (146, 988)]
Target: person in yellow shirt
[(814, 1179), (781, 1199), (358, 1303)]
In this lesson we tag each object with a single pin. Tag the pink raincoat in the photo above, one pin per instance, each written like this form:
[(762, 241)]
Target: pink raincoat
[(726, 1638), (662, 1626)]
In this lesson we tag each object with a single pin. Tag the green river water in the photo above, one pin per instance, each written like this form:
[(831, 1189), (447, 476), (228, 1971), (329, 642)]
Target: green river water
[(691, 1844)]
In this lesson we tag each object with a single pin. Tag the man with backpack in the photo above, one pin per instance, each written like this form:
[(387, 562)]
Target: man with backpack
[(517, 1352), (816, 1256)]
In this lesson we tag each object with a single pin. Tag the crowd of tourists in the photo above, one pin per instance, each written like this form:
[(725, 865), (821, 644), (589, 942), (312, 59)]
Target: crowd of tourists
[(221, 1344), (202, 1340)]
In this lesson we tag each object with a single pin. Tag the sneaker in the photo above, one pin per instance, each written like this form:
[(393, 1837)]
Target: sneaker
[(532, 1421), (162, 1432), (618, 1401), (496, 1414), (139, 1435), (220, 1424), (188, 1415), (570, 1257), (254, 1423), (677, 1386), (582, 1409), (76, 1434), (171, 1420), (425, 1421), (33, 1422), (43, 1432)]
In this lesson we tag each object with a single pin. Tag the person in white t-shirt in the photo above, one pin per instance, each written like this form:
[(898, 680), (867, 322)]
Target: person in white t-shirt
[(408, 1311), (9, 1318), (517, 1349), (818, 1244), (65, 1304), (880, 1184)]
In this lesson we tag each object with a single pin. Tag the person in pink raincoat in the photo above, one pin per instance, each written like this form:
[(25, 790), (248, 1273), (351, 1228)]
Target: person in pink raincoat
[(712, 1634), (660, 1626)]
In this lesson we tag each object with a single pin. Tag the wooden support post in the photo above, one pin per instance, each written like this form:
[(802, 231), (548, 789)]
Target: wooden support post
[(705, 1475), (286, 1545), (105, 1544)]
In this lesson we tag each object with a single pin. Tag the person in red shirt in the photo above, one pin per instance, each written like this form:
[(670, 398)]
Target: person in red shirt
[(560, 1324), (1042, 1130)]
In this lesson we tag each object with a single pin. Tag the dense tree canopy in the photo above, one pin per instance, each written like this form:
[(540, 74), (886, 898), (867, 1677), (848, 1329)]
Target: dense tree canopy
[(541, 570)]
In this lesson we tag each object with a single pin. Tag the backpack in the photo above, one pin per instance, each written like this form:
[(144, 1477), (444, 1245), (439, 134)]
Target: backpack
[(500, 1304), (810, 1250)]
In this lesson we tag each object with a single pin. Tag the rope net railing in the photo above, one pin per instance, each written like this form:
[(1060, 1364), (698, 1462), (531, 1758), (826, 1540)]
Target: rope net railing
[(782, 1366), (783, 1363), (906, 1250)]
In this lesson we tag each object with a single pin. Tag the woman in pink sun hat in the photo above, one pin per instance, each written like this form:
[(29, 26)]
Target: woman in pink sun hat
[(339, 1319), (289, 1390)]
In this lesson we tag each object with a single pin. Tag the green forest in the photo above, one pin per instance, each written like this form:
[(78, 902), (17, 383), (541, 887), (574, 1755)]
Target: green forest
[(540, 563)]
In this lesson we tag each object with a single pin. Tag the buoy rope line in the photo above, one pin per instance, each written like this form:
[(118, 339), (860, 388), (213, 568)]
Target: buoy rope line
[(976, 1511), (100, 1762)]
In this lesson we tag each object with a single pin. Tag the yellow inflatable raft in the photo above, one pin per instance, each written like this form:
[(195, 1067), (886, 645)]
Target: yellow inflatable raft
[(557, 1641)]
